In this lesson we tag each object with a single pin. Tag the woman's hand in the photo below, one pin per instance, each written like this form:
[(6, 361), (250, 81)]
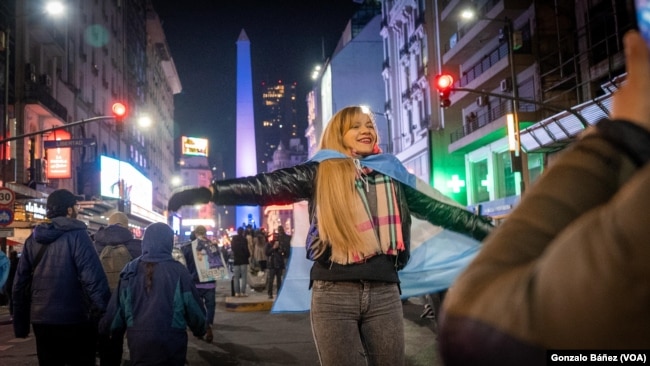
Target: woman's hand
[(630, 102)]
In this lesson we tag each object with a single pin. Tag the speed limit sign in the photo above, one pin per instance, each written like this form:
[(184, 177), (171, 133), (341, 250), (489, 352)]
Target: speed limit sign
[(7, 196)]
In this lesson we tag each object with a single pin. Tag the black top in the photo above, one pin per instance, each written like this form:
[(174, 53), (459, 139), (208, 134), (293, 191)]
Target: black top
[(240, 251), (378, 268)]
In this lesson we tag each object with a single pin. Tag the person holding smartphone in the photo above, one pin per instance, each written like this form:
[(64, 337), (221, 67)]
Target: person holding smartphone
[(569, 267)]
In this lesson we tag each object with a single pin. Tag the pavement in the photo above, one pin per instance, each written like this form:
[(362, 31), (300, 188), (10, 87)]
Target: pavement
[(246, 333)]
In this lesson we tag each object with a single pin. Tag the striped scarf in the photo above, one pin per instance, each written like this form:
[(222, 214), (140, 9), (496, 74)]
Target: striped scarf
[(381, 230)]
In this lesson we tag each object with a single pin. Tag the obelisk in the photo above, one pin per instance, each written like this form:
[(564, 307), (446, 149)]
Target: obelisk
[(246, 156)]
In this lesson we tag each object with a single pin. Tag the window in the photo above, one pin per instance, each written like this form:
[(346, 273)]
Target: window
[(535, 166), (505, 176), (480, 181)]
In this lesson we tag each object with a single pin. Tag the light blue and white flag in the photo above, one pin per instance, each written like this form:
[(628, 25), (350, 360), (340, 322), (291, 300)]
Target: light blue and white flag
[(438, 256)]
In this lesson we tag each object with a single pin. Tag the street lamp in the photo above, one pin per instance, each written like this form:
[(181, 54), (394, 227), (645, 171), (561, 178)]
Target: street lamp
[(515, 153)]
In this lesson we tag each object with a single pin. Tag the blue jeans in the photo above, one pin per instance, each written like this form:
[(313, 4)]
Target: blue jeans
[(357, 323), (208, 296), (239, 278)]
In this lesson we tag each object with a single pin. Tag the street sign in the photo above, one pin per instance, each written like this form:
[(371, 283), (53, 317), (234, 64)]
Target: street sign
[(6, 216), (52, 144), (7, 197), (5, 233)]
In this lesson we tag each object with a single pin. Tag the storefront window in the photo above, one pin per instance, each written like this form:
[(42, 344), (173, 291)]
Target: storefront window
[(480, 182), (535, 166), (506, 177)]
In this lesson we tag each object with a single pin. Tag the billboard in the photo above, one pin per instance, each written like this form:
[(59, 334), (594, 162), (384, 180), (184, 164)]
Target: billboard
[(194, 146), (119, 178), (58, 159)]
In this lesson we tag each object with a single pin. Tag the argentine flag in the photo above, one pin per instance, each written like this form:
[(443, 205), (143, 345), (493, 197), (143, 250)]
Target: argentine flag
[(438, 256)]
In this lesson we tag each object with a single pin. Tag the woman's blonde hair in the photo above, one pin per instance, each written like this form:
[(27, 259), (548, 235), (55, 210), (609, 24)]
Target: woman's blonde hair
[(335, 186)]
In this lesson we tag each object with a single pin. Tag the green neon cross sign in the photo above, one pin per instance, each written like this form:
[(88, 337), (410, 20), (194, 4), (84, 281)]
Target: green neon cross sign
[(455, 183)]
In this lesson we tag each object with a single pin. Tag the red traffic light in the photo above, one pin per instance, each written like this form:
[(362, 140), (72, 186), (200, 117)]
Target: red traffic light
[(119, 110), (444, 82)]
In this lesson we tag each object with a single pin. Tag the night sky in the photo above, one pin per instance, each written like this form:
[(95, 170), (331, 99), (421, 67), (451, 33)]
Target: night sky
[(287, 41)]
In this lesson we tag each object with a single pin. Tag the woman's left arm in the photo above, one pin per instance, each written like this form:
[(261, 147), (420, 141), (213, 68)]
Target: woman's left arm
[(445, 215), (282, 186)]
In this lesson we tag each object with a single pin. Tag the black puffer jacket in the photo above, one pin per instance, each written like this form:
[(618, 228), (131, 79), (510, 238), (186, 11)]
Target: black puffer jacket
[(289, 185), (69, 285)]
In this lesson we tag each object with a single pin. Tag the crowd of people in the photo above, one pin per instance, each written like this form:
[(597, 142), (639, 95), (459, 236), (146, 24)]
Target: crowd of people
[(567, 270)]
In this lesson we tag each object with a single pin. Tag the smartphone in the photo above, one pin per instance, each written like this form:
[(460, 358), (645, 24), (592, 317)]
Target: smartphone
[(642, 9)]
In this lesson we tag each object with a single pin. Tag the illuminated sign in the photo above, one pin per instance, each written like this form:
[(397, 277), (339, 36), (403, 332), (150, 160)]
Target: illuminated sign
[(176, 224), (194, 146), (119, 178), (37, 209), (58, 159)]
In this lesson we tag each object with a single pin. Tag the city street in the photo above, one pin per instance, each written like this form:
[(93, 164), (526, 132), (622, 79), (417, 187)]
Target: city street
[(250, 338)]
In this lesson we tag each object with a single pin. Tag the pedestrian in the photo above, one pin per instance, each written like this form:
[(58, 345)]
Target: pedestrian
[(198, 250), (285, 242), (13, 265), (276, 254), (360, 202), (154, 304), (5, 266), (568, 269), (260, 241), (117, 232), (60, 287), (116, 247), (241, 254), (249, 233)]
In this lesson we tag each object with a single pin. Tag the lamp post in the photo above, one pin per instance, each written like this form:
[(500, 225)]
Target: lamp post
[(515, 149)]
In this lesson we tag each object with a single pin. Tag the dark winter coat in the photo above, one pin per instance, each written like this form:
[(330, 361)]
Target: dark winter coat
[(240, 251), (275, 256), (69, 284), (155, 319), (115, 235)]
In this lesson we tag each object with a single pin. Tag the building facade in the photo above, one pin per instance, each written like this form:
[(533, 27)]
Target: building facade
[(550, 66), (564, 57), (277, 121), (70, 70), (350, 76), (195, 171)]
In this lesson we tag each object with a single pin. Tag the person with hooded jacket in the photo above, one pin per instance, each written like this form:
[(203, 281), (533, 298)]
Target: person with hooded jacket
[(154, 303), (65, 293), (360, 202), (116, 233)]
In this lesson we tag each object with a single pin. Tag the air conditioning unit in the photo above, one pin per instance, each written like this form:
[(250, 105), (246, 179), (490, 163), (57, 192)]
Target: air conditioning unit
[(482, 101), (46, 80), (506, 85)]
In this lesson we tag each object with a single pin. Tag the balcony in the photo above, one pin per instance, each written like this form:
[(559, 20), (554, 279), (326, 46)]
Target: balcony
[(470, 38), (489, 126), (36, 93)]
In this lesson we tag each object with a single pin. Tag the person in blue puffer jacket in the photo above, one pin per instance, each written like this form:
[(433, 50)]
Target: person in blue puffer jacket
[(154, 303), (69, 291)]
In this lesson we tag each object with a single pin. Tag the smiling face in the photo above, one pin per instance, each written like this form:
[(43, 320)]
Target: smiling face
[(361, 137)]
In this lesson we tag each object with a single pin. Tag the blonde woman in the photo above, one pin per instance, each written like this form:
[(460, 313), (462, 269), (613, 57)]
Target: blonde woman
[(360, 204)]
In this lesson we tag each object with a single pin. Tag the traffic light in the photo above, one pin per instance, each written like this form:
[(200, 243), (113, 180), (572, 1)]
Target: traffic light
[(444, 83), (119, 111)]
